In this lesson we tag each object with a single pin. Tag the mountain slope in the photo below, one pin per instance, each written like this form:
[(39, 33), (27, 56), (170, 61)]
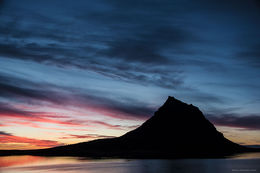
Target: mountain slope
[(175, 130)]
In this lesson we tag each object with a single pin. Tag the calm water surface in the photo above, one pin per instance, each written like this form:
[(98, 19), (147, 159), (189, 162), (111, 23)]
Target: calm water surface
[(33, 164)]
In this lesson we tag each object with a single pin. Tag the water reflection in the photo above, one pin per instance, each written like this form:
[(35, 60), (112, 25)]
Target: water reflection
[(19, 160), (33, 164)]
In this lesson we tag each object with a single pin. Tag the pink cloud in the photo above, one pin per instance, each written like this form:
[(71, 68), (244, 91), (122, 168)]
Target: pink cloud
[(9, 138)]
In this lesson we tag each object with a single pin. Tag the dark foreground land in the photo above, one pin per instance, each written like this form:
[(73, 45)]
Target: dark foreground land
[(177, 130)]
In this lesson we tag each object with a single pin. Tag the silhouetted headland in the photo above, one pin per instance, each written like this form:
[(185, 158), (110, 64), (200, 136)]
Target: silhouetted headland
[(176, 130)]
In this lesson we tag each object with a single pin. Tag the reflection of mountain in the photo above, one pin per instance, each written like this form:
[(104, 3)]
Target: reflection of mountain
[(176, 130)]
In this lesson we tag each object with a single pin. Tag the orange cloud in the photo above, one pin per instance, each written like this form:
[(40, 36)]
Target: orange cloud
[(90, 136), (9, 139)]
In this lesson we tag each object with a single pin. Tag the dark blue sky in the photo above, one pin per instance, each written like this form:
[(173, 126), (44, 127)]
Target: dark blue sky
[(117, 61)]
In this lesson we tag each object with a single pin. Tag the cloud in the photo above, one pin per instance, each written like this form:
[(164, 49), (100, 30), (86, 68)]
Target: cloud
[(32, 119), (50, 53), (250, 55), (249, 122), (7, 111), (117, 107), (110, 65), (90, 136), (6, 139), (5, 133), (146, 47), (112, 126), (113, 54), (20, 93), (41, 94)]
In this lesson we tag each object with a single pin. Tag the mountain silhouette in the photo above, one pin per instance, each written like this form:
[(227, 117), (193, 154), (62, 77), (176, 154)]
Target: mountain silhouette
[(176, 129)]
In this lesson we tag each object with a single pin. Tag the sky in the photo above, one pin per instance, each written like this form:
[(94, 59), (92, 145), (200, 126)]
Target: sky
[(74, 71)]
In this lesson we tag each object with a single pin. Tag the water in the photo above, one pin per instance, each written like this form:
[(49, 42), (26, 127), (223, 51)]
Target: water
[(33, 164)]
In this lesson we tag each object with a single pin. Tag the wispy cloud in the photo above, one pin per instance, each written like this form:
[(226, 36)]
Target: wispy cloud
[(6, 138), (249, 122), (5, 133), (86, 136), (250, 55), (35, 93), (32, 119)]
